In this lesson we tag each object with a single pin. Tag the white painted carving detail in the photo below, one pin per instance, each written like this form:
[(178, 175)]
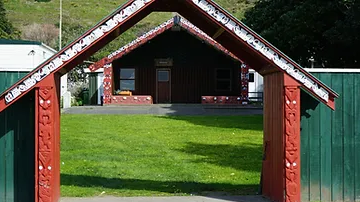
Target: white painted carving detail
[(75, 49), (193, 27), (262, 48), (141, 38), (186, 23), (156, 29)]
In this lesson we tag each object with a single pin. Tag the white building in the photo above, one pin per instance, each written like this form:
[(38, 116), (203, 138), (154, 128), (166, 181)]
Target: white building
[(256, 86), (20, 56)]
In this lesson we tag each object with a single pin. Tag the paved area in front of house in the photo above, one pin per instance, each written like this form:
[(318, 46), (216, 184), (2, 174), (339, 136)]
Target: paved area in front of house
[(166, 109), (170, 199)]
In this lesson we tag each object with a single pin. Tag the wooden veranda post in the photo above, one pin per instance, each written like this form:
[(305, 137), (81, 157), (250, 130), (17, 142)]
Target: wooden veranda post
[(292, 139)]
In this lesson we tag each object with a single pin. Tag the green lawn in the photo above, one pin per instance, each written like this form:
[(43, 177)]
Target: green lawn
[(133, 155)]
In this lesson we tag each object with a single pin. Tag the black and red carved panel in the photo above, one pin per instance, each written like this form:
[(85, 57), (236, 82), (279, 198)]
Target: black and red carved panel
[(45, 143), (131, 100), (221, 100), (292, 144)]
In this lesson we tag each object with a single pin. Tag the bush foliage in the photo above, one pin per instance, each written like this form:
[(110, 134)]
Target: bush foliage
[(328, 30), (7, 31)]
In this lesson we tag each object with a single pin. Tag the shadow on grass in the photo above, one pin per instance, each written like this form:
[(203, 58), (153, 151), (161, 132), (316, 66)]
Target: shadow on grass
[(249, 122), (245, 157), (172, 187)]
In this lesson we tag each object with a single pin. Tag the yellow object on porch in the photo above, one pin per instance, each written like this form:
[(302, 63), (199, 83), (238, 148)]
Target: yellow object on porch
[(128, 93)]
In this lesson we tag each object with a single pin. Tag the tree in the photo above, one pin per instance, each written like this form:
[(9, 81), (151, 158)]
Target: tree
[(45, 33), (344, 36), (328, 30), (7, 31)]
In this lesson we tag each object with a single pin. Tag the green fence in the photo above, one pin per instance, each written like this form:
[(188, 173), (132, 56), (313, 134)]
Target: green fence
[(17, 145), (330, 142)]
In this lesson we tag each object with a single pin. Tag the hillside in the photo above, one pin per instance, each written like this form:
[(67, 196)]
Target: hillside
[(80, 15)]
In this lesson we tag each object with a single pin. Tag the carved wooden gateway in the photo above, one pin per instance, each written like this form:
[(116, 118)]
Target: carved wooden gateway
[(283, 80)]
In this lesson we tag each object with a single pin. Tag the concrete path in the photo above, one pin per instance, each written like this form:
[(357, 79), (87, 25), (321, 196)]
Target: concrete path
[(166, 109), (170, 199)]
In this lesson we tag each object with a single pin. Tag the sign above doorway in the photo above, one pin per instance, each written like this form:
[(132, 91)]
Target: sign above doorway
[(163, 62)]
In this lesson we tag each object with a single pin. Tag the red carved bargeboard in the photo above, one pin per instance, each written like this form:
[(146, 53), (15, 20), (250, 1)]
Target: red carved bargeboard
[(45, 143), (292, 143)]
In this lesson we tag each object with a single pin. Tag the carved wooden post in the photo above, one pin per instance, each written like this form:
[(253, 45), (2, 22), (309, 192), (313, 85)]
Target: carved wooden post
[(45, 142), (292, 142), (47, 158), (244, 83), (108, 83)]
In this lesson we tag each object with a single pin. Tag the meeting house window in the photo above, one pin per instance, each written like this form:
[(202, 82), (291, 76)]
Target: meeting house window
[(223, 79), (127, 79), (251, 77)]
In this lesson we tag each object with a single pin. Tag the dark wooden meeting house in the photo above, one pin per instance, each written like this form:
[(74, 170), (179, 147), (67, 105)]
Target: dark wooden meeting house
[(173, 63)]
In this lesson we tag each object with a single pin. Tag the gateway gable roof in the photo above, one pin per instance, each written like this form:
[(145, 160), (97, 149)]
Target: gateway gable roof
[(205, 14)]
